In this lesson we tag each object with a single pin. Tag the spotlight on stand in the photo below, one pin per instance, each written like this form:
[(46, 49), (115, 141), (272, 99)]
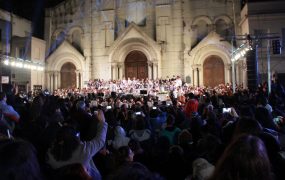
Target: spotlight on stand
[(241, 51)]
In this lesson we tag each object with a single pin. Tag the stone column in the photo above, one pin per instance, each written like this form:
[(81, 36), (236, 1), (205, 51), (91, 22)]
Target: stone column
[(155, 70), (200, 75), (81, 80), (228, 72), (51, 81), (120, 70), (149, 66), (59, 80), (195, 77), (237, 73), (55, 80), (114, 71), (77, 79)]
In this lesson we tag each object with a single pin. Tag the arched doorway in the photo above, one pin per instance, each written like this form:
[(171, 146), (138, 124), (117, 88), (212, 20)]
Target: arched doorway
[(213, 71), (68, 75), (136, 65)]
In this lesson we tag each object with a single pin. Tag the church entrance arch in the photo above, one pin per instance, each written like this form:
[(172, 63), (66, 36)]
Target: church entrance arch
[(213, 71), (136, 65), (68, 75)]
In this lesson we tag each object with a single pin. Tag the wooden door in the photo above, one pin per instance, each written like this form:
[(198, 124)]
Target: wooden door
[(136, 65), (213, 71), (68, 76)]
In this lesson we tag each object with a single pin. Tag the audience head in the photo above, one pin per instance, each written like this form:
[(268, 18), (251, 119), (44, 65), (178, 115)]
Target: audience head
[(18, 160), (125, 155), (170, 120), (66, 141), (134, 171), (80, 105), (248, 126), (72, 171), (244, 158)]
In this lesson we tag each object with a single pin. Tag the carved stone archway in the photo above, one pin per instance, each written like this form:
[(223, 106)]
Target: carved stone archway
[(136, 65), (68, 75), (213, 71)]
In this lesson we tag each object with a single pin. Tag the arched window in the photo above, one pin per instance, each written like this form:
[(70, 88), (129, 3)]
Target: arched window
[(60, 38), (223, 28), (202, 30)]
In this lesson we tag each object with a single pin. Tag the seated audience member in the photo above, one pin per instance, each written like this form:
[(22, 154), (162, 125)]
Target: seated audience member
[(86, 122), (264, 117), (120, 138), (18, 161), (247, 126), (140, 132), (170, 131), (244, 158), (68, 149), (124, 155), (134, 171), (176, 167), (202, 169), (273, 148), (72, 171)]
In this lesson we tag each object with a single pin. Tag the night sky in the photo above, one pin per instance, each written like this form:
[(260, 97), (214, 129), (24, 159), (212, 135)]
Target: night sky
[(34, 11), (30, 9)]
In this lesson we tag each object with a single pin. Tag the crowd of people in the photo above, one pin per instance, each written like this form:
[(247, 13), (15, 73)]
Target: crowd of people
[(138, 87), (143, 129)]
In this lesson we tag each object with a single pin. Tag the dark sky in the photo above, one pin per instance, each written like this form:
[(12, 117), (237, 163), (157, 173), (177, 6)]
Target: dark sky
[(30, 9), (34, 11)]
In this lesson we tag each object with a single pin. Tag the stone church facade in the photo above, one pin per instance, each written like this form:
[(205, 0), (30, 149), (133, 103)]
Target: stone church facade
[(115, 39)]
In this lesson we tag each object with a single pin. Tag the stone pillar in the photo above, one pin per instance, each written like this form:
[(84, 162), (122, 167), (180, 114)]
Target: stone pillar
[(195, 77), (77, 79), (237, 66), (121, 70), (149, 66), (114, 71), (228, 73), (56, 80), (81, 80), (59, 80), (51, 81), (200, 75), (155, 70)]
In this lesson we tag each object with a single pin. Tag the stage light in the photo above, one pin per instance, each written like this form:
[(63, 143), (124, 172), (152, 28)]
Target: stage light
[(6, 62), (241, 51), (21, 63)]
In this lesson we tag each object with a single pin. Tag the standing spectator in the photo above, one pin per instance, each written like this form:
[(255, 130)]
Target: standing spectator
[(171, 132), (68, 149), (10, 116), (244, 158), (191, 106), (18, 161)]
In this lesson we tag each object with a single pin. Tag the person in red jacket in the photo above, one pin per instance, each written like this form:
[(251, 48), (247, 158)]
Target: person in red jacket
[(191, 105)]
